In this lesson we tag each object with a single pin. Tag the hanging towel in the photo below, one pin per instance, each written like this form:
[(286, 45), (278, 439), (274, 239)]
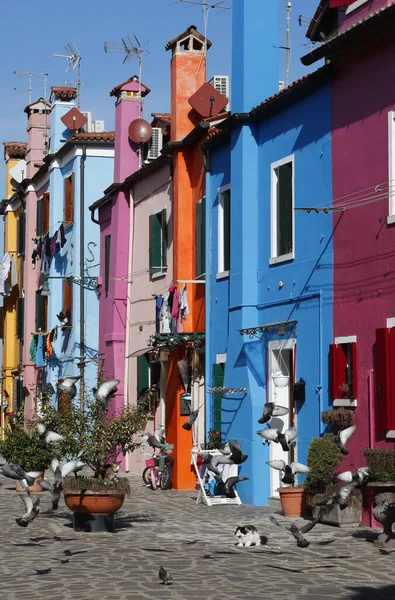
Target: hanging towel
[(14, 276), (184, 308), (39, 352), (33, 348), (175, 305)]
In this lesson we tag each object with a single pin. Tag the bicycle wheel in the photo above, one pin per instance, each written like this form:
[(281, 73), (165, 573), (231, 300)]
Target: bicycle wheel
[(165, 480), (153, 481), (146, 475)]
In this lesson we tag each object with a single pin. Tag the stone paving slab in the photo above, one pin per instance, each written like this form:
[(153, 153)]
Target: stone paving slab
[(195, 543)]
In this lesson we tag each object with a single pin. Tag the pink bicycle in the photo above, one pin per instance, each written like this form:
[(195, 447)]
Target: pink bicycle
[(158, 471)]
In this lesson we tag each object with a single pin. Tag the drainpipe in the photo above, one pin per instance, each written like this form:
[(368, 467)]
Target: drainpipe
[(96, 221), (208, 250), (82, 277), (128, 312)]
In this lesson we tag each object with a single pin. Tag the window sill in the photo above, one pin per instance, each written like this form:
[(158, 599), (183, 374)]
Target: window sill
[(274, 260), (390, 219), (223, 275), (346, 402), (158, 275), (356, 5)]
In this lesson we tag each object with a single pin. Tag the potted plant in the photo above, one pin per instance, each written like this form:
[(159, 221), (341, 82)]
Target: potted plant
[(99, 438), (324, 459), (25, 449), (338, 417), (293, 500), (380, 491)]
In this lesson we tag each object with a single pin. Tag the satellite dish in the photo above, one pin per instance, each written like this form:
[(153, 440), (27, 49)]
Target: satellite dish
[(207, 101), (140, 131), (19, 171), (74, 119)]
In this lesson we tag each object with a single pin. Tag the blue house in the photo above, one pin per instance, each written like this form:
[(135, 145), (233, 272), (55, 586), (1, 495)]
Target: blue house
[(268, 262), (79, 165)]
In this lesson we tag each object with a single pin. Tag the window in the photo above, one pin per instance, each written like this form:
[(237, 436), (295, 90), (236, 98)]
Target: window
[(282, 206), (219, 375), (385, 377), (148, 374), (68, 300), (20, 318), (200, 237), (158, 243), (68, 208), (107, 249), (343, 383), (224, 230), (41, 311), (391, 175), (21, 232), (42, 220)]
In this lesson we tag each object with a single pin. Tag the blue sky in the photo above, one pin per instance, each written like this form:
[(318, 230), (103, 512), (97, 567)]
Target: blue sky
[(28, 42)]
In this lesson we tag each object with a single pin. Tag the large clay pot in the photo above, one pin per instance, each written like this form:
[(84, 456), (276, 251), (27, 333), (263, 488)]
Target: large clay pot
[(93, 511), (293, 501), (32, 488)]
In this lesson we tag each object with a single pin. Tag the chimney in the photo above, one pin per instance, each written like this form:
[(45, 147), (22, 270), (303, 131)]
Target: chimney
[(62, 100), (15, 166), (37, 135), (255, 53), (187, 75), (127, 109)]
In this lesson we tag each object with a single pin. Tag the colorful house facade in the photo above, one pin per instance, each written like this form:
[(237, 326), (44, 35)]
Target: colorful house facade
[(269, 280)]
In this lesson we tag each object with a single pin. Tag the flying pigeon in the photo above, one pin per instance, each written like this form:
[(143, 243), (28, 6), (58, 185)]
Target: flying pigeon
[(32, 510), (359, 476), (64, 319), (221, 459), (191, 419), (237, 455), (340, 497), (343, 437), (67, 384), (227, 488), (72, 466), (105, 391), (272, 410), (164, 576), (208, 462), (274, 435), (225, 449), (55, 487), (48, 437), (160, 434), (288, 470), (298, 533), (15, 472)]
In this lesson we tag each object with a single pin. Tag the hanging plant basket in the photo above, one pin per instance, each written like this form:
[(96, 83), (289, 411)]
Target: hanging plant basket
[(280, 380)]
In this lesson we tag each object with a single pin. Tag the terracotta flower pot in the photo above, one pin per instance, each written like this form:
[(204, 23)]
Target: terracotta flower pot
[(293, 501), (32, 488), (94, 503)]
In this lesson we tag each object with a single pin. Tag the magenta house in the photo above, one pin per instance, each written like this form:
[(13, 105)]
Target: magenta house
[(360, 45)]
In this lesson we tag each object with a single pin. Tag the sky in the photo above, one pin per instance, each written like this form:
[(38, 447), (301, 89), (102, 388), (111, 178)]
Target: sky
[(29, 42)]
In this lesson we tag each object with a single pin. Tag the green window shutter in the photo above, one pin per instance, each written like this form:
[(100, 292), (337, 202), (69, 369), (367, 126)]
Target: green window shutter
[(40, 319), (219, 375), (107, 249), (40, 217), (155, 243), (20, 394), (143, 374), (227, 230), (284, 209), (200, 237), (21, 232), (163, 222), (20, 318)]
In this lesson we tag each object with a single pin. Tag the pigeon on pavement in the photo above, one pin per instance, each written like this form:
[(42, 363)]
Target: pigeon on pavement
[(32, 510), (270, 409), (274, 435), (289, 470), (164, 576)]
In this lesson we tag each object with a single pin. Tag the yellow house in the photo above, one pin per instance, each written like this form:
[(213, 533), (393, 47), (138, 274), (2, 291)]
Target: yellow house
[(12, 269)]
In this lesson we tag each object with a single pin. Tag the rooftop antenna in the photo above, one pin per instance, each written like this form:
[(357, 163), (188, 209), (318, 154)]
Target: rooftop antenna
[(30, 75), (303, 21), (287, 46), (133, 50), (73, 57), (207, 6)]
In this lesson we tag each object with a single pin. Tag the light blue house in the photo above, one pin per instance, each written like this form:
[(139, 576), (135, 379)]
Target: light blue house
[(269, 264), (80, 165)]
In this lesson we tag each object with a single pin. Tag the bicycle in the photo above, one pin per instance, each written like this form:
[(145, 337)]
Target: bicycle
[(158, 471)]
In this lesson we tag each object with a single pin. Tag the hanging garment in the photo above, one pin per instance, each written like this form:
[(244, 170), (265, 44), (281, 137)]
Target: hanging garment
[(165, 315), (14, 276), (53, 334), (158, 304), (175, 305), (48, 344), (33, 348), (173, 325), (39, 352), (184, 308), (5, 264), (172, 289), (62, 237), (53, 245)]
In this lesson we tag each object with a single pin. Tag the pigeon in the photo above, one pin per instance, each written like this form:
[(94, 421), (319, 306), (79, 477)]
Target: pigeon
[(220, 459), (32, 510), (164, 576), (208, 462), (227, 488), (298, 533), (340, 497), (288, 470), (225, 449), (272, 410), (160, 434), (359, 476), (237, 455), (64, 319), (67, 384), (105, 391), (343, 437), (72, 466), (48, 437), (274, 435), (191, 419), (56, 487), (15, 472)]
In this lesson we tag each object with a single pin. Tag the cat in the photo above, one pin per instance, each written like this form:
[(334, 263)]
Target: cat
[(247, 536), (111, 473)]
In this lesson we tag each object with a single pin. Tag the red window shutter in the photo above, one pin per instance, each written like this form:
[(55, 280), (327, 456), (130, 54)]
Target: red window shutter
[(333, 376), (354, 370), (391, 377), (382, 377), (338, 3)]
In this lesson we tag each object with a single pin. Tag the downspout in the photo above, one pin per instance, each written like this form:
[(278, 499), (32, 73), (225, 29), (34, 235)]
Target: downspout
[(82, 277), (128, 312), (96, 221), (208, 250)]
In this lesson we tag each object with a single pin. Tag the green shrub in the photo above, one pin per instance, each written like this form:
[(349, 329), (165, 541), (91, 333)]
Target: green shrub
[(323, 458), (381, 462), (120, 485), (25, 449)]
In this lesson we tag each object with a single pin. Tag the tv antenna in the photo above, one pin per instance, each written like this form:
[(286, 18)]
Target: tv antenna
[(287, 46), (73, 57), (303, 21), (207, 6), (133, 50), (30, 75)]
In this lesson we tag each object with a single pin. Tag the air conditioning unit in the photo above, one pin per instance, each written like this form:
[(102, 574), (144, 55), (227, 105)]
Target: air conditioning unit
[(221, 84), (98, 126), (88, 125), (155, 144)]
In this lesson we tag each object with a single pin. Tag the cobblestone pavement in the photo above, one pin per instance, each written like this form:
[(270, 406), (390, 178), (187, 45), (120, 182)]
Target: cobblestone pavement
[(194, 542)]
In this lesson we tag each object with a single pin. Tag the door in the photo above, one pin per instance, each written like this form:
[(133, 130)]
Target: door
[(280, 360)]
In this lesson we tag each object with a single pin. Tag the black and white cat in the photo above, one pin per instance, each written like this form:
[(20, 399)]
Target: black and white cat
[(247, 536)]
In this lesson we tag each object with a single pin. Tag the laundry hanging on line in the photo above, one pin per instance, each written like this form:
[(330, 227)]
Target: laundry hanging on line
[(171, 310)]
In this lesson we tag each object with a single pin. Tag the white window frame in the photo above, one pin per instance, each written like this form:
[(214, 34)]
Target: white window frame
[(274, 258), (221, 273), (391, 166)]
